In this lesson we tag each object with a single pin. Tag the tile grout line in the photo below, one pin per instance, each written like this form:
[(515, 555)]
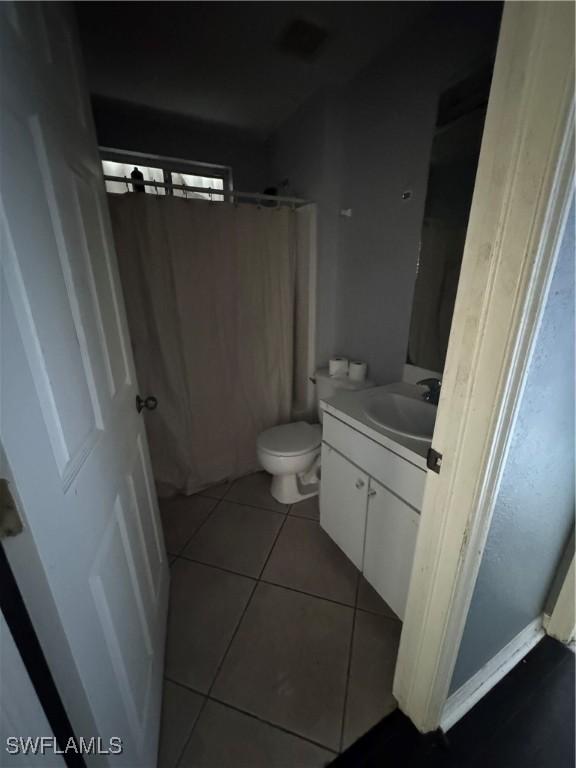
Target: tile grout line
[(284, 586), (179, 555), (211, 513), (232, 638), (205, 699), (218, 668), (217, 567), (217, 672), (308, 594), (205, 696), (253, 716), (269, 555), (252, 506), (233, 483), (273, 725), (236, 629), (229, 570), (198, 716), (256, 581), (202, 524), (349, 667)]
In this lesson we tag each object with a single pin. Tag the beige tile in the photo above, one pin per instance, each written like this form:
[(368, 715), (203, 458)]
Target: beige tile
[(288, 663), (237, 537), (305, 557), (255, 490), (205, 607), (181, 517), (180, 709), (370, 600), (374, 652), (308, 508), (226, 738)]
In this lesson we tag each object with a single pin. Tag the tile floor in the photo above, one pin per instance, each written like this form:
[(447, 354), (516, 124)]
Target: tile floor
[(279, 654)]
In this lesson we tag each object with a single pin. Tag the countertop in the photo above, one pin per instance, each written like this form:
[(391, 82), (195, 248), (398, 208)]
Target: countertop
[(349, 407)]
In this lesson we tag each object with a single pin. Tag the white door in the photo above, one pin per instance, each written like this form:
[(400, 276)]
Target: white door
[(19, 704), (391, 533), (91, 562), (343, 496)]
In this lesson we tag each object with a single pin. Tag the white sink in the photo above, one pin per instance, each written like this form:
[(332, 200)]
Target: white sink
[(402, 415)]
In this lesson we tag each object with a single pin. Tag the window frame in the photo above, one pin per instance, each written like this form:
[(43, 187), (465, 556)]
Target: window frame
[(170, 165)]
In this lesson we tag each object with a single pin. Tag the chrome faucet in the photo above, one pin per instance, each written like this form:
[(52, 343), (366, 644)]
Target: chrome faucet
[(432, 394)]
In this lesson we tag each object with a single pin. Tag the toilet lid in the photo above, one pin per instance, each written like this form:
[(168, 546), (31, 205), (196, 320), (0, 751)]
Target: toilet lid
[(291, 439)]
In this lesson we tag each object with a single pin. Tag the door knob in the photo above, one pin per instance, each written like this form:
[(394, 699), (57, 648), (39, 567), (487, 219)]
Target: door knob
[(371, 492), (149, 403), (359, 483)]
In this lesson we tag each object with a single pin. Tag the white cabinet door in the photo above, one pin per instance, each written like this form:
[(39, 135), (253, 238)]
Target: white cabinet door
[(343, 498), (391, 531), (73, 439)]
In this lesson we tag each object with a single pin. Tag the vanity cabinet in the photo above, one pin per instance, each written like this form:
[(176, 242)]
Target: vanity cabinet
[(391, 531), (343, 503), (370, 499)]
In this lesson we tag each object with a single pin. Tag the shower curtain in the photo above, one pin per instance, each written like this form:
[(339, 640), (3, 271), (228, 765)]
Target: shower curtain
[(210, 291)]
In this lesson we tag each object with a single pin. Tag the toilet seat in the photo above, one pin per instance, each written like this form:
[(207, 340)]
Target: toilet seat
[(293, 439), (291, 453)]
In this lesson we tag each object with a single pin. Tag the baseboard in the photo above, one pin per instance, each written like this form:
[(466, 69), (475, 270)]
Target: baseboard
[(462, 700)]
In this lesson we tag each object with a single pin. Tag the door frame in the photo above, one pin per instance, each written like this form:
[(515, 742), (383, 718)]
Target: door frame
[(561, 622), (524, 186)]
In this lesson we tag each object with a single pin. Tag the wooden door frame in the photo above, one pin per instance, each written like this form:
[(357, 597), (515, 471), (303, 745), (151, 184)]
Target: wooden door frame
[(561, 622), (524, 186)]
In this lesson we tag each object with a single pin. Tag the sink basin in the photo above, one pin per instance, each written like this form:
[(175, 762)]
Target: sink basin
[(402, 415)]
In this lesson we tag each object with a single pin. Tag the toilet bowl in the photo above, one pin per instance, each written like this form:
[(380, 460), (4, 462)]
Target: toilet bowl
[(291, 452), (288, 453)]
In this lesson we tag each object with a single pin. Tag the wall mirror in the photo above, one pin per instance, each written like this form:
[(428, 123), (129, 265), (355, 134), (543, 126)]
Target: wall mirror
[(451, 177)]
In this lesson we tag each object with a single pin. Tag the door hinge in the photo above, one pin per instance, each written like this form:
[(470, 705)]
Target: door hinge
[(434, 460), (10, 521)]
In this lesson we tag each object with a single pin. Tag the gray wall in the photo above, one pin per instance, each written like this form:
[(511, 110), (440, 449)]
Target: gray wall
[(370, 142), (125, 126), (360, 146), (534, 513), (390, 120), (306, 154)]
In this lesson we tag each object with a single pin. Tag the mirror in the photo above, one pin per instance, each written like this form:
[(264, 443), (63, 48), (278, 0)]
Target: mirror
[(452, 173)]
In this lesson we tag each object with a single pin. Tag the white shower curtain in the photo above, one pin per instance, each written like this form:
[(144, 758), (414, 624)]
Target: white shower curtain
[(209, 290)]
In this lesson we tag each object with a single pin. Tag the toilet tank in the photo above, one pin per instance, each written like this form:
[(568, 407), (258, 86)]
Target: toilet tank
[(327, 386)]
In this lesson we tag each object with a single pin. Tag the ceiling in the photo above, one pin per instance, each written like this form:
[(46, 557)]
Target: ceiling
[(224, 62)]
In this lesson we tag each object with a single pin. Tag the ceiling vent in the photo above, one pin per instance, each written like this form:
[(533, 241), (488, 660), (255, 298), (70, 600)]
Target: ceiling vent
[(302, 39)]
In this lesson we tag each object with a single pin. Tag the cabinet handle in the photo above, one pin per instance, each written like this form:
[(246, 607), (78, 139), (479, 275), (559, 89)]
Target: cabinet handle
[(359, 483), (371, 493)]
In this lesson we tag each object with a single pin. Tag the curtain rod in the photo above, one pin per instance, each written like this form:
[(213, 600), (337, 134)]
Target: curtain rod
[(209, 190)]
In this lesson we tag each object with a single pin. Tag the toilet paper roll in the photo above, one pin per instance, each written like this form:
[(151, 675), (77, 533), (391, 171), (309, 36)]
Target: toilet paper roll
[(357, 370), (338, 366)]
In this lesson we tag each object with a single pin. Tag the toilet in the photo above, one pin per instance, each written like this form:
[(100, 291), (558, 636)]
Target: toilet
[(291, 452)]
